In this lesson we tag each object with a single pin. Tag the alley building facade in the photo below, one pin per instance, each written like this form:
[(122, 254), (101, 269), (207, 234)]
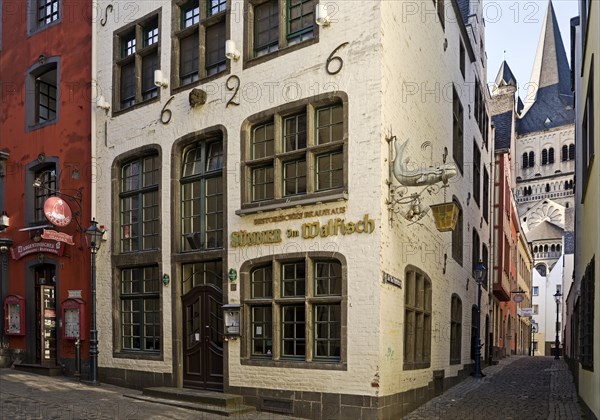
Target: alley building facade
[(583, 322)]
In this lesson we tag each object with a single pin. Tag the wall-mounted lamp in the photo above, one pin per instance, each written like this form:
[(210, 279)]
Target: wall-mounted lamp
[(160, 80), (166, 279), (321, 15), (102, 104), (230, 51), (4, 221)]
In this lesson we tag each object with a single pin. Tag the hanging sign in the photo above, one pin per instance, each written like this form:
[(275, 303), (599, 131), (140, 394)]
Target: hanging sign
[(57, 211), (57, 236)]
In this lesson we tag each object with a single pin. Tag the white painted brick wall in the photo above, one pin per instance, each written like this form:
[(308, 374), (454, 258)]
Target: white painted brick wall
[(386, 48)]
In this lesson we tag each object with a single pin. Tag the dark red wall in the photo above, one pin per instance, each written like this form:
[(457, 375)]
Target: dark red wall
[(68, 139)]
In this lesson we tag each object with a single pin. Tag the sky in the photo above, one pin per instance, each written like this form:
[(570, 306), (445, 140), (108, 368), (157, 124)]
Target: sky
[(514, 26)]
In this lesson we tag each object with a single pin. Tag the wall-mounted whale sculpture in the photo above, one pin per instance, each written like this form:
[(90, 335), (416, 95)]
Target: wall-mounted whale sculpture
[(420, 176)]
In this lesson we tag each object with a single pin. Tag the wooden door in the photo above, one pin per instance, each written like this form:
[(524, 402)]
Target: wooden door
[(203, 338)]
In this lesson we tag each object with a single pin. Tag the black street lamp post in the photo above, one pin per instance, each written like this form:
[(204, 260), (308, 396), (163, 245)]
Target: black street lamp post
[(557, 297), (479, 272), (94, 238)]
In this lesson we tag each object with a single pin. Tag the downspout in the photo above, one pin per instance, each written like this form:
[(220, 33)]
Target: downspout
[(94, 110)]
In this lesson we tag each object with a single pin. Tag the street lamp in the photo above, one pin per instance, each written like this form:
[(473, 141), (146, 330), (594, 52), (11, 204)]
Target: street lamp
[(479, 272), (94, 238), (557, 297)]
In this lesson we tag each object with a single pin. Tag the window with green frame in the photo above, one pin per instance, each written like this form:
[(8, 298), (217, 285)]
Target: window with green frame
[(138, 197), (307, 304), (202, 196), (140, 309), (306, 156), (276, 24)]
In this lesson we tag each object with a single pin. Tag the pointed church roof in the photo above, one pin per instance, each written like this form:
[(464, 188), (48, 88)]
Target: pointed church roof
[(505, 76), (552, 104)]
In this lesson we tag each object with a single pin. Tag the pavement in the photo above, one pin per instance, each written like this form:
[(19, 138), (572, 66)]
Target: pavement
[(30, 396), (519, 387)]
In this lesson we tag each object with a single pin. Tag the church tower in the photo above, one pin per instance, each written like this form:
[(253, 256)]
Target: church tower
[(544, 165)]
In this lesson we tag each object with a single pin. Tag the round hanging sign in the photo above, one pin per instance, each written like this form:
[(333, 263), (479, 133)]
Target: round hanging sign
[(57, 211), (518, 298)]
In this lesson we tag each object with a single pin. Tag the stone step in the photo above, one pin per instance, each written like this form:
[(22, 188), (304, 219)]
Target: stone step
[(183, 398), (195, 396), (39, 369)]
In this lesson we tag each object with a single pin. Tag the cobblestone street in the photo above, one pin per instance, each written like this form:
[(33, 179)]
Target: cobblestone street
[(519, 387), (29, 396)]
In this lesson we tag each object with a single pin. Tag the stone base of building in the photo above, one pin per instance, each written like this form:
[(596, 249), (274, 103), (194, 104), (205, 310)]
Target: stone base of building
[(134, 378), (586, 412), (312, 405)]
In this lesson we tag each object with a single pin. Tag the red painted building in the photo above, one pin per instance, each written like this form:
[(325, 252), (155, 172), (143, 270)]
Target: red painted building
[(506, 223), (45, 135)]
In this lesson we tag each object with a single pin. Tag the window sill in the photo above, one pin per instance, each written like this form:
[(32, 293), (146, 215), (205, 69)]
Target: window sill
[(38, 126), (254, 61), (203, 81), (138, 355), (289, 202), (119, 112), (295, 364)]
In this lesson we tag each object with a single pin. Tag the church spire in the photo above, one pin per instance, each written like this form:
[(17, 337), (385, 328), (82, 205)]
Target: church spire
[(550, 67), (504, 78), (549, 99)]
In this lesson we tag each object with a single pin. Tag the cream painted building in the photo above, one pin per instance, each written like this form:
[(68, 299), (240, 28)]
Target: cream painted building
[(263, 180), (585, 295)]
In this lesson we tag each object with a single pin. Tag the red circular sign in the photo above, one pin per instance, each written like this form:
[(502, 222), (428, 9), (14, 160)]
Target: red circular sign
[(57, 211)]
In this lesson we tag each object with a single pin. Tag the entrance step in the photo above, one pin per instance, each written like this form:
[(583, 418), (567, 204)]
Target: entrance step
[(193, 399), (39, 369)]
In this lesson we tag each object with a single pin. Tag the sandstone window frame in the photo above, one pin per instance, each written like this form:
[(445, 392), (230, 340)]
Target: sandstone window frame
[(417, 319), (586, 317), (287, 39), (142, 193), (136, 55), (455, 329), (205, 26), (476, 174), (325, 161), (457, 130), (211, 167), (266, 306), (457, 235), (150, 318)]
